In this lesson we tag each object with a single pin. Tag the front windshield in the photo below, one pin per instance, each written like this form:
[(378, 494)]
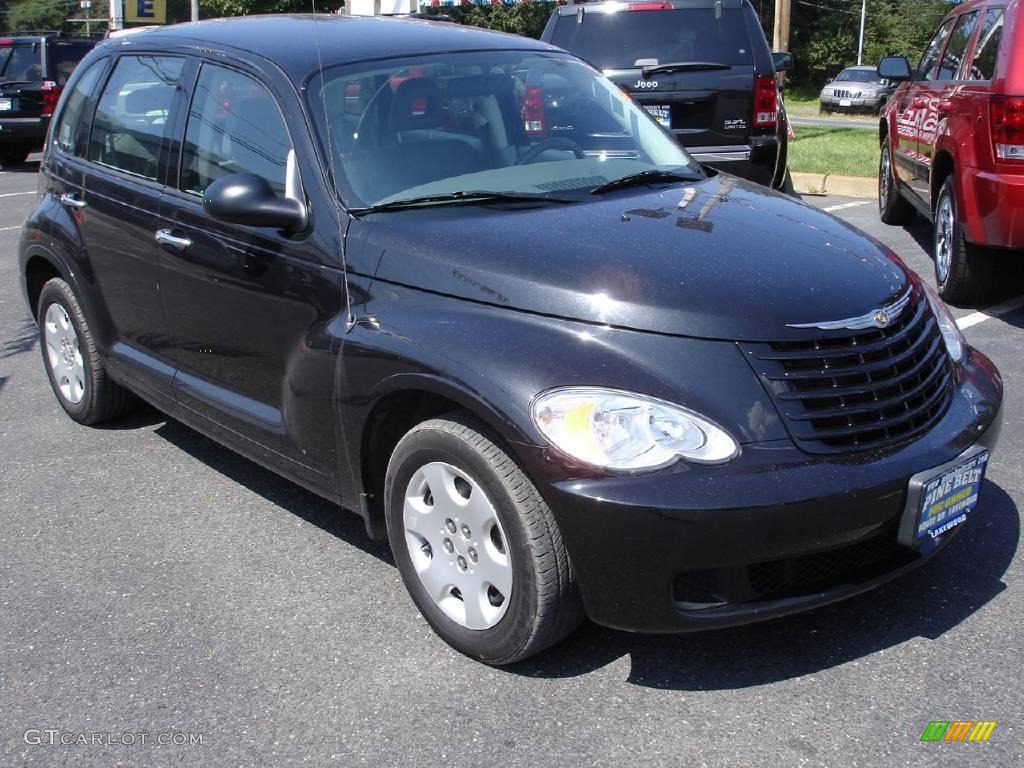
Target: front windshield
[(858, 76), (510, 122)]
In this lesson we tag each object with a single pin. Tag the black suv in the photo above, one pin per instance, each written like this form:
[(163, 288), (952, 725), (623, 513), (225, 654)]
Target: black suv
[(702, 68), (33, 71), (562, 381)]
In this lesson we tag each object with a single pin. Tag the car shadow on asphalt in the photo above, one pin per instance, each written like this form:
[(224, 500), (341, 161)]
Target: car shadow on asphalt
[(307, 505), (927, 603), (29, 167)]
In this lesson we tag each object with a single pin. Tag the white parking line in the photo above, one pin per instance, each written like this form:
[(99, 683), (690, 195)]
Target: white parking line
[(846, 205), (8, 229), (987, 314), (15, 194)]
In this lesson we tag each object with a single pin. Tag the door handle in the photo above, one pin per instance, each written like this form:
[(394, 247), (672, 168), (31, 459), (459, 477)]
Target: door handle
[(71, 201), (164, 237)]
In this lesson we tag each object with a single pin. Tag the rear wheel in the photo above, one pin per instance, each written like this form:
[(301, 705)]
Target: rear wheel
[(892, 207), (76, 372), (477, 547), (14, 154), (963, 271)]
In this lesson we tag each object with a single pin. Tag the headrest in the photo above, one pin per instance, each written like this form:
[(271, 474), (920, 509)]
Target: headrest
[(417, 105), (145, 100)]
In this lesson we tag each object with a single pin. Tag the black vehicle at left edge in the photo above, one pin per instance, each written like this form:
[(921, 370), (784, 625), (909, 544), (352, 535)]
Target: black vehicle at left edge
[(565, 377)]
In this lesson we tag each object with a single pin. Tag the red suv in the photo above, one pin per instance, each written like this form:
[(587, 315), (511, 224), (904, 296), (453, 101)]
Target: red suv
[(952, 140)]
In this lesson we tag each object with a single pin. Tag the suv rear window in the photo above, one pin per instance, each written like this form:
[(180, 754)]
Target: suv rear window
[(64, 57), (619, 39), (21, 63)]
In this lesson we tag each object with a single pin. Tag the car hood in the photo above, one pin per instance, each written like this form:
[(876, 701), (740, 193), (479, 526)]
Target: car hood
[(719, 258)]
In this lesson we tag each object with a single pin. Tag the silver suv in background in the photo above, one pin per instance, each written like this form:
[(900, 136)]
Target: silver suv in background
[(856, 89)]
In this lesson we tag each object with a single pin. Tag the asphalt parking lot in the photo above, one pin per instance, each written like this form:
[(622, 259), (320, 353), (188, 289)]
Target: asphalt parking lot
[(153, 582)]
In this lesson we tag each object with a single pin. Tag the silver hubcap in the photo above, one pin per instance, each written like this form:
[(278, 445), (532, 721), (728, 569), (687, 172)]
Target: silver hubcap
[(457, 545), (883, 180), (63, 354), (945, 229)]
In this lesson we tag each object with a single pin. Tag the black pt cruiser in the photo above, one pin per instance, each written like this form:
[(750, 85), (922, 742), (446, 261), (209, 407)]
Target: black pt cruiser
[(566, 376)]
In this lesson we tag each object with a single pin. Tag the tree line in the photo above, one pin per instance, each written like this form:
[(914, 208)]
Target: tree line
[(823, 39)]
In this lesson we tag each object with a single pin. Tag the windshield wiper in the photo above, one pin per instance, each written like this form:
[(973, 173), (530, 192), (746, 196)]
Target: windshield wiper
[(462, 197), (14, 82), (643, 177), (683, 66)]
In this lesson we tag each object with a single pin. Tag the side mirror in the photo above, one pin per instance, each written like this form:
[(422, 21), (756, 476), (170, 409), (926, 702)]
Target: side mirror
[(244, 198), (783, 61), (829, 80), (894, 68)]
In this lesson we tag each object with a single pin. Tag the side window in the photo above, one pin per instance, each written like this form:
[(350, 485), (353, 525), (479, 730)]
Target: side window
[(234, 126), (926, 70), (70, 131), (983, 67), (954, 55), (128, 128)]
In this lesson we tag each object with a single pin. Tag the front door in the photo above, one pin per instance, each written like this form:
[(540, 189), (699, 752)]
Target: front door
[(117, 204), (247, 306)]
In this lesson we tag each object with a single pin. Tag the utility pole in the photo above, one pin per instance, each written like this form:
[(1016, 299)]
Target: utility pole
[(116, 15), (195, 10), (860, 45), (86, 5), (780, 35)]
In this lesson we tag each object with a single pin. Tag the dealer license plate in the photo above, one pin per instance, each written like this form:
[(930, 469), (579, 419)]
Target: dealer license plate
[(6, 105), (845, 103), (660, 112), (946, 498)]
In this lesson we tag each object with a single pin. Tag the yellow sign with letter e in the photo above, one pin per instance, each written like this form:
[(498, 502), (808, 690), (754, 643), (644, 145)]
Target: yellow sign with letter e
[(145, 11)]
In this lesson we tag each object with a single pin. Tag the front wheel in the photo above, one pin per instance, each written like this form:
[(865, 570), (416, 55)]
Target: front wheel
[(963, 272), (477, 547)]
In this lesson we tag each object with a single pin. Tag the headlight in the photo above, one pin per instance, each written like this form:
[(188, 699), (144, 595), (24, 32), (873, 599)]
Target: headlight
[(956, 344), (620, 430)]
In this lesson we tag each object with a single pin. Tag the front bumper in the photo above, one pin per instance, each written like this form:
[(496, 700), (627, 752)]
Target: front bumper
[(773, 532), (24, 130), (861, 104)]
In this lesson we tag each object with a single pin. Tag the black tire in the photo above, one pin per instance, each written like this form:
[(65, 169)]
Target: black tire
[(103, 399), (969, 277), (881, 105), (14, 154), (893, 208), (544, 606)]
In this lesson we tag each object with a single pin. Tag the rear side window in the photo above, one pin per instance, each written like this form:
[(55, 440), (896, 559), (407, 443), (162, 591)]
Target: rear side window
[(983, 66), (128, 128), (957, 46), (930, 58), (21, 63), (69, 130), (234, 126), (619, 40), (64, 57)]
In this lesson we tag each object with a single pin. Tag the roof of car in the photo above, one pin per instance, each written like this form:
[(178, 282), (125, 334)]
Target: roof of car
[(288, 40)]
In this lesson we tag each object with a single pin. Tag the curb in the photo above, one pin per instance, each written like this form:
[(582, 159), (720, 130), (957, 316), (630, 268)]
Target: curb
[(830, 184)]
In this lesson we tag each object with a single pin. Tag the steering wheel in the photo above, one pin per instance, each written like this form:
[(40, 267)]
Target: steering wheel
[(556, 143)]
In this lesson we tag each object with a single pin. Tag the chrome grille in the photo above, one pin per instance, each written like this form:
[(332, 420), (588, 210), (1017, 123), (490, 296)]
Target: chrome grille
[(844, 94), (867, 390)]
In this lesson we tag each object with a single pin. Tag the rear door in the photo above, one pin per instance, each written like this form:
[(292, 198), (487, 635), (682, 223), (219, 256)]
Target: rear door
[(120, 186), (21, 82), (707, 103)]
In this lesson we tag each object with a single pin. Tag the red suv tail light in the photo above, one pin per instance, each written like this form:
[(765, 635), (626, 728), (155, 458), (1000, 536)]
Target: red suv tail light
[(51, 95), (1006, 115), (766, 102), (533, 110)]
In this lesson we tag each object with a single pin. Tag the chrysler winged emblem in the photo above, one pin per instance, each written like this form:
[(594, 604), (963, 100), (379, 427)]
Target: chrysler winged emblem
[(878, 318)]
